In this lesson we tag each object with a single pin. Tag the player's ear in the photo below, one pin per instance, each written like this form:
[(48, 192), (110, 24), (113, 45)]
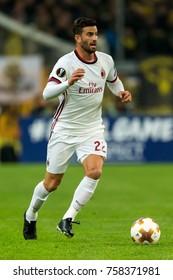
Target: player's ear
[(77, 38)]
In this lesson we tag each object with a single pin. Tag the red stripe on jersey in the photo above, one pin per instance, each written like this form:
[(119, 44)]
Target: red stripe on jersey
[(85, 61), (58, 111), (113, 80), (54, 80)]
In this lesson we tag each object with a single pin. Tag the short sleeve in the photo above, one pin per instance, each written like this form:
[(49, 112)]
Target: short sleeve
[(112, 76), (59, 72)]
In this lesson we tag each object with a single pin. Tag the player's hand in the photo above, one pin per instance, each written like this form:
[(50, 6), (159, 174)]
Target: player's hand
[(125, 96), (78, 74)]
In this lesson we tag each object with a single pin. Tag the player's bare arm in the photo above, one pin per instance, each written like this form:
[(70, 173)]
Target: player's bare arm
[(125, 96), (78, 74)]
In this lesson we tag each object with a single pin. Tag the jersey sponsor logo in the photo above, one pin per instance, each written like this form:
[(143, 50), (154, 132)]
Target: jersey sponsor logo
[(90, 90), (103, 73), (60, 72)]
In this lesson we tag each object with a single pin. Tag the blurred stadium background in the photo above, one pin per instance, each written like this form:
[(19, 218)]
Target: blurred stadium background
[(139, 36)]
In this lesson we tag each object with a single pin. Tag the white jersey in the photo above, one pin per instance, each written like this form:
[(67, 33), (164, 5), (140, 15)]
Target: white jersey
[(80, 107)]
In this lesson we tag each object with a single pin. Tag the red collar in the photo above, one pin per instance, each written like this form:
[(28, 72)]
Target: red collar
[(85, 61)]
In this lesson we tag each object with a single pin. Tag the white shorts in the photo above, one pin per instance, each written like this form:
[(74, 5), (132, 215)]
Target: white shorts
[(61, 148)]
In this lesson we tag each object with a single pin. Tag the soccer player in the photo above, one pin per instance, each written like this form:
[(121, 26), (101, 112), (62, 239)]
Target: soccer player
[(78, 79)]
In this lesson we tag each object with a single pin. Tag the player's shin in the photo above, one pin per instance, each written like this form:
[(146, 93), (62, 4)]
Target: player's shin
[(82, 195), (39, 197)]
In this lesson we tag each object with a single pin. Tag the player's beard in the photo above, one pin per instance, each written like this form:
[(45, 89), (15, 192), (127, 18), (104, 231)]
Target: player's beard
[(87, 48)]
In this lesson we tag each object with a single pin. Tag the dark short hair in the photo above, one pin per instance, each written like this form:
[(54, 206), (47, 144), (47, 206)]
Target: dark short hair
[(82, 22)]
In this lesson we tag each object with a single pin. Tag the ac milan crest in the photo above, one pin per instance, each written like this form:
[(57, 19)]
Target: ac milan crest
[(103, 73)]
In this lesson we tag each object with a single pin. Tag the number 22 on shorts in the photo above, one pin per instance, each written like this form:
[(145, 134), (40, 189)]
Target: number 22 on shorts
[(99, 146)]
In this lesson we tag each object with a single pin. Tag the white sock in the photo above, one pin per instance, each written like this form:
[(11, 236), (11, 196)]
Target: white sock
[(39, 197), (82, 195)]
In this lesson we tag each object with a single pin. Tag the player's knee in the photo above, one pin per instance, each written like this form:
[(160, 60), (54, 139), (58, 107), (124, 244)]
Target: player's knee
[(94, 173), (52, 183)]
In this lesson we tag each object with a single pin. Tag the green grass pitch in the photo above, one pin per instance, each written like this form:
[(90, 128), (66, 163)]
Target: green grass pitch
[(125, 193)]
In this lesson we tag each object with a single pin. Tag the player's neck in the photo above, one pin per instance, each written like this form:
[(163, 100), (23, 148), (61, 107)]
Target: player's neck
[(85, 56)]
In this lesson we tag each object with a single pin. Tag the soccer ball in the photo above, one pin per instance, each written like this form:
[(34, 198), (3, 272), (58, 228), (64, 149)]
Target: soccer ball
[(145, 231)]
